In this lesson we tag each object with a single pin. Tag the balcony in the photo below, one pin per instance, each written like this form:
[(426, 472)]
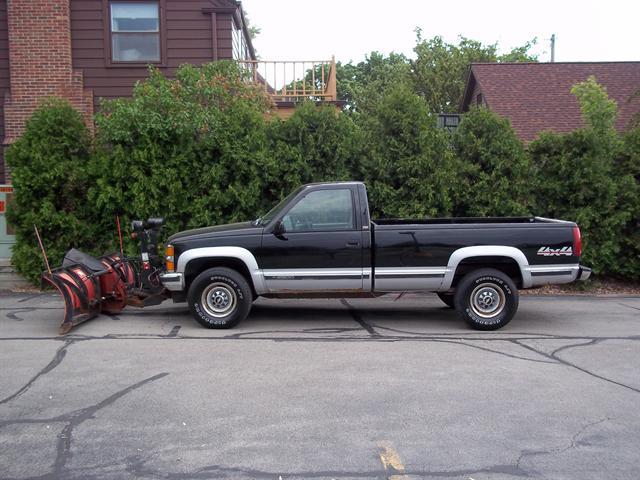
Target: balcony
[(291, 82)]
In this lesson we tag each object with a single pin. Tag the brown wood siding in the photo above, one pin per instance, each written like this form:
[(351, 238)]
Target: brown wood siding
[(224, 24), (4, 77), (186, 37)]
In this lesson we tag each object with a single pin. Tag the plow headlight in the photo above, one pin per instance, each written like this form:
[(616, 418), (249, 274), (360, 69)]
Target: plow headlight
[(169, 258), (137, 225)]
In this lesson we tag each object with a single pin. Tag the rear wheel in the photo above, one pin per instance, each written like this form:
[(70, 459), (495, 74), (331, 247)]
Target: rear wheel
[(487, 299), (219, 298), (447, 298)]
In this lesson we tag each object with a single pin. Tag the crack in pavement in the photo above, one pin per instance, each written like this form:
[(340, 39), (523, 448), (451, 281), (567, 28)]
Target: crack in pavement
[(630, 306), (73, 420), (138, 466), (358, 318), (31, 297), (462, 341), (57, 359), (174, 332), (498, 352), (573, 443), (13, 314), (554, 356)]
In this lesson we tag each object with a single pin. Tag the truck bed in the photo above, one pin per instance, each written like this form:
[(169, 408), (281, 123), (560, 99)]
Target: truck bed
[(422, 249)]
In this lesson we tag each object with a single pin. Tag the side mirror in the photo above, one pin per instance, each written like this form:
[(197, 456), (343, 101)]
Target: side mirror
[(279, 229)]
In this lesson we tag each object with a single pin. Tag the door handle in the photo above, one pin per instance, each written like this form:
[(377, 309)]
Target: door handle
[(353, 244)]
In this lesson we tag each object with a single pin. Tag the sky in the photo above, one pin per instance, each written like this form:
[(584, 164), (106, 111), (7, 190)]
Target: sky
[(604, 30)]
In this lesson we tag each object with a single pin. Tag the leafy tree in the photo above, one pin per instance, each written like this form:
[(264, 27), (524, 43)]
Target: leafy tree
[(577, 178), (315, 144), (407, 164), (627, 169), (495, 169), (362, 85), (50, 167), (192, 148), (599, 112), (440, 68)]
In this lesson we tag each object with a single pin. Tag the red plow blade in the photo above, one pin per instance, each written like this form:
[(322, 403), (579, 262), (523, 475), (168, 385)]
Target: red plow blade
[(89, 286)]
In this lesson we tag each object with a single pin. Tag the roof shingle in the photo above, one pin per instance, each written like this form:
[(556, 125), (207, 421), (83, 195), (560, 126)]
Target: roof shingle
[(537, 96)]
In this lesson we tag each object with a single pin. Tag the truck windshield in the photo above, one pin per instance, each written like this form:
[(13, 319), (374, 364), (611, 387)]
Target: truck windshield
[(273, 213)]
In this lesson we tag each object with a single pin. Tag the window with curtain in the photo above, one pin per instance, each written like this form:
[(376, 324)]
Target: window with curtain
[(135, 31)]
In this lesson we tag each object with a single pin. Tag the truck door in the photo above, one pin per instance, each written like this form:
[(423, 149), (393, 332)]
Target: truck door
[(316, 245)]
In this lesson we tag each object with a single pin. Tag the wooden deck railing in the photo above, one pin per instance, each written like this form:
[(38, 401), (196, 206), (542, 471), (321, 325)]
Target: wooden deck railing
[(295, 80)]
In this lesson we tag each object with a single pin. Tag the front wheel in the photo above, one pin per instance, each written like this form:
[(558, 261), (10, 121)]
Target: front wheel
[(219, 298), (487, 299)]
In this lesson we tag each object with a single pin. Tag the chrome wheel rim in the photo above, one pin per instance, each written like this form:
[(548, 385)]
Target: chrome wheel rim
[(487, 300), (219, 300)]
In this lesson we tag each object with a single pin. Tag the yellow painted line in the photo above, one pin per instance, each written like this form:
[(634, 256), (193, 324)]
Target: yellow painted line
[(391, 460)]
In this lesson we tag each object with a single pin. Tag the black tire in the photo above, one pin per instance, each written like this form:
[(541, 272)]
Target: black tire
[(447, 299), (219, 298), (486, 286)]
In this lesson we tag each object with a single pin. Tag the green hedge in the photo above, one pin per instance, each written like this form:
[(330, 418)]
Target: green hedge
[(201, 149), (52, 172)]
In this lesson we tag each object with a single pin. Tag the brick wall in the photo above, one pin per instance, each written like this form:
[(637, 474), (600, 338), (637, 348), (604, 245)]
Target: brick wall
[(40, 62)]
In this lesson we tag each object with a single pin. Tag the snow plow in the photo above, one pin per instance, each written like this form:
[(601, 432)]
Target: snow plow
[(90, 286)]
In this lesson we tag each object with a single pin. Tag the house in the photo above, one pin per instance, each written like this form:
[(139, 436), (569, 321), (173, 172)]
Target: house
[(89, 50), (537, 96)]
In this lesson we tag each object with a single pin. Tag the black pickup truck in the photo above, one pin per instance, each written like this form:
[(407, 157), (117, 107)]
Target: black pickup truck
[(320, 242)]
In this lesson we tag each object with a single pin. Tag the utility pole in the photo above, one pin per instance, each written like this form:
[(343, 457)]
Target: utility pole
[(553, 47)]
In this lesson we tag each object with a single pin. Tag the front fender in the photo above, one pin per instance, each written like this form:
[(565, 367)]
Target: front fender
[(242, 254)]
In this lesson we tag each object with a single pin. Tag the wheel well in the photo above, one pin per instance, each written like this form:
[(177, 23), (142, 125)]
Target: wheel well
[(198, 265), (506, 265)]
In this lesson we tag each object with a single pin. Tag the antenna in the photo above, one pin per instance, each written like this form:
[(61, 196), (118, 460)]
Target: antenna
[(44, 254), (120, 235), (553, 47)]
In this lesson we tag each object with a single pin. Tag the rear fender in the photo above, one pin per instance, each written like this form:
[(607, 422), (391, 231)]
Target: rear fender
[(487, 251)]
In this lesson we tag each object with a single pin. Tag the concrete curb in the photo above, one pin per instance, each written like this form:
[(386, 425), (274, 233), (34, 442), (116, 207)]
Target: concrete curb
[(9, 279)]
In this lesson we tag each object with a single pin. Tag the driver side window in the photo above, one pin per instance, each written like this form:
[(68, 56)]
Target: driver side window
[(321, 210)]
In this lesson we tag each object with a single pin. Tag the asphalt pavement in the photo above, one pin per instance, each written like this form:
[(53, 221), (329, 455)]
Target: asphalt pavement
[(376, 388)]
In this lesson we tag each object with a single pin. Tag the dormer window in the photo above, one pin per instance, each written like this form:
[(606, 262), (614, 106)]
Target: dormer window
[(135, 31)]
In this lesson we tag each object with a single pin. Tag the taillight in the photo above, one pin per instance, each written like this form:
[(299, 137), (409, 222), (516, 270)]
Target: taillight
[(577, 242), (169, 258)]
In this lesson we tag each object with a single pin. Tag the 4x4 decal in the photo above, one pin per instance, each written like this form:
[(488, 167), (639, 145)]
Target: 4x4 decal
[(555, 252)]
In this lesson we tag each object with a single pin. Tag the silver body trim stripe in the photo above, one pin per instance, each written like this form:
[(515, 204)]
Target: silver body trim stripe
[(556, 274), (313, 272), (401, 279), (314, 279), (387, 279)]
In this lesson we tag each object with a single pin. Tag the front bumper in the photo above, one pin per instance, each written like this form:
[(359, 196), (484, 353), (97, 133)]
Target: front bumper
[(584, 273), (172, 281)]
